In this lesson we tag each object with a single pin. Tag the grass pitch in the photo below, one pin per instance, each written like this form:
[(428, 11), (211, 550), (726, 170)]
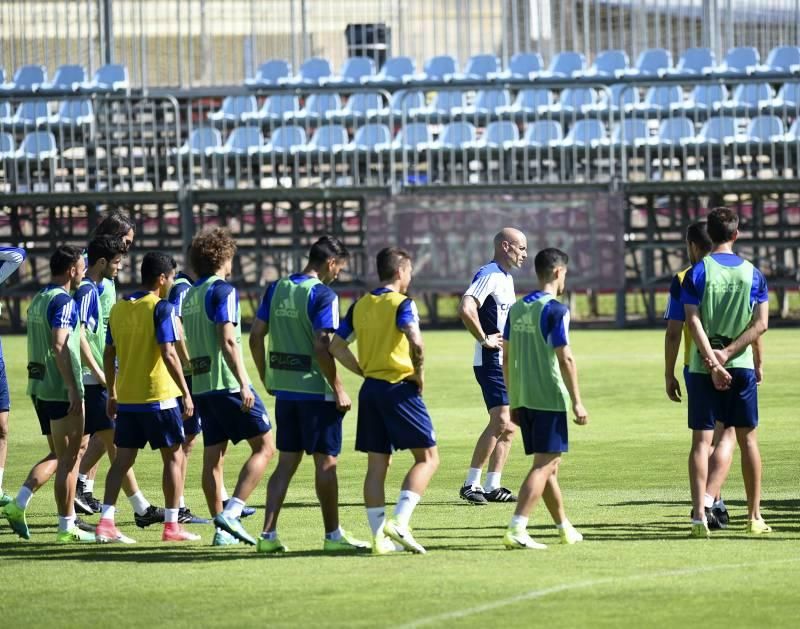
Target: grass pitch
[(625, 486)]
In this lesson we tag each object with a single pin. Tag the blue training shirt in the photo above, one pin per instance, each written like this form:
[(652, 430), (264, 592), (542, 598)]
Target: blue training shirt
[(62, 312), (406, 314), (10, 260), (554, 322), (674, 310), (694, 283), (178, 293), (88, 299), (493, 289)]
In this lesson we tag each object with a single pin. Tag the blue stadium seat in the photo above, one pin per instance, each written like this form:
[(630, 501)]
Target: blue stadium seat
[(705, 99), (788, 99), (112, 77), (275, 108), (286, 140), (74, 113), (479, 67), (499, 134), (7, 145), (395, 70), (486, 103), (573, 100), (793, 134), (781, 59), (443, 105), (765, 129), (528, 101), (37, 146), (243, 141), (26, 79), (748, 98), (411, 137), (521, 66), (317, 107), (738, 61), (359, 106), (584, 134), (369, 137), (695, 61), (329, 138), (675, 131), (631, 132), (717, 130), (68, 78), (542, 134), (611, 63), (455, 136), (312, 72), (403, 101), (622, 96), (5, 111), (565, 64), (439, 68), (233, 108), (30, 114), (203, 141), (270, 73), (354, 72), (652, 62), (659, 100)]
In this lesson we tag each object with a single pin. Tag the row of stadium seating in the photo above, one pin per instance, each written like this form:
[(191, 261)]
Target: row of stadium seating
[(457, 136), (397, 71), (659, 100), (69, 78)]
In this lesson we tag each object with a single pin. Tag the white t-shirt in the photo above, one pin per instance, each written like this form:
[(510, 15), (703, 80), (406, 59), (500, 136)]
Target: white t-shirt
[(493, 289)]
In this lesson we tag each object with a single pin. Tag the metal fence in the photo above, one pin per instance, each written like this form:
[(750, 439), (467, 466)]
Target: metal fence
[(220, 42)]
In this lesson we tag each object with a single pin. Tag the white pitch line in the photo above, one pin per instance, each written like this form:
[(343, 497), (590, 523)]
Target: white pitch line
[(578, 585)]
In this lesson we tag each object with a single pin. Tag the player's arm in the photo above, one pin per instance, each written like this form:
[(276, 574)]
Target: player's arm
[(417, 352), (340, 344), (110, 371), (10, 260), (569, 372), (758, 326), (87, 358), (172, 360), (468, 312), (180, 345), (758, 359), (258, 335), (719, 374), (672, 346), (506, 373), (226, 336), (322, 343), (86, 301), (60, 337)]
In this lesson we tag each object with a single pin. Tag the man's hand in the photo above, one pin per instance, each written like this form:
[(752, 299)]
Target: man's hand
[(581, 416), (248, 399), (722, 356), (75, 402), (673, 388), (343, 401), (111, 408), (419, 380), (188, 407), (493, 341), (721, 378), (759, 374)]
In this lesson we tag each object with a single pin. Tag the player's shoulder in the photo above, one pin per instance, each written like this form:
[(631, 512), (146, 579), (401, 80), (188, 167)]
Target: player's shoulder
[(488, 270), (222, 288), (557, 308), (323, 292), (681, 274), (87, 287)]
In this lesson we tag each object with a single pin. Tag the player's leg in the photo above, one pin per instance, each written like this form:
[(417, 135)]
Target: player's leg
[(705, 406), (378, 464), (544, 466), (751, 472), (277, 486), (87, 470), (719, 465), (124, 457), (40, 473), (555, 505), (4, 498), (67, 433), (192, 427), (504, 428), (172, 482), (213, 461), (698, 477)]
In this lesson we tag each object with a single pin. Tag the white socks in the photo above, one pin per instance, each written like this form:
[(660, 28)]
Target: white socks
[(708, 501), (564, 524), (719, 504), (139, 503), (23, 498), (88, 485), (223, 494), (334, 535), (376, 517), (492, 481), (405, 506), (234, 508), (107, 512), (473, 477), (171, 516), (65, 523), (518, 523), (182, 503), (269, 535)]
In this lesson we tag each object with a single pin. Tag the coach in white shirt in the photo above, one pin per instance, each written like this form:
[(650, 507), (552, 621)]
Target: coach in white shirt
[(483, 309)]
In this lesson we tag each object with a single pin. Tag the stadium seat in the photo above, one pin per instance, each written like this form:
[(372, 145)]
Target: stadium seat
[(500, 134), (74, 113), (68, 78), (275, 108), (479, 68), (694, 61), (717, 130), (565, 64), (652, 62), (443, 105), (705, 99), (675, 131), (359, 106), (316, 108), (631, 132), (438, 68), (793, 134), (521, 66), (765, 129), (354, 71), (584, 134), (233, 108), (738, 61), (621, 96), (6, 112), (411, 137), (788, 99), (29, 115), (270, 73), (329, 138), (748, 98), (243, 141), (7, 145), (455, 136), (368, 137), (781, 59), (112, 77), (528, 102), (27, 79), (403, 101), (542, 134), (37, 146), (608, 63), (203, 141), (572, 101), (659, 100), (312, 72), (395, 70), (486, 103), (286, 140)]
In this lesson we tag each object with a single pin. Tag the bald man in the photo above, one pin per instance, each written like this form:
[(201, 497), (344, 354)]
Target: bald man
[(483, 309)]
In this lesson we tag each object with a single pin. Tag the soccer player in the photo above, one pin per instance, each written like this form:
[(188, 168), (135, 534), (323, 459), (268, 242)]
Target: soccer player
[(142, 396), (225, 399), (726, 302), (10, 260), (56, 388), (542, 380), (483, 309), (698, 245), (300, 312), (391, 413)]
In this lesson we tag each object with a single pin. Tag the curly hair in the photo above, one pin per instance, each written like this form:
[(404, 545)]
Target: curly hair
[(211, 248)]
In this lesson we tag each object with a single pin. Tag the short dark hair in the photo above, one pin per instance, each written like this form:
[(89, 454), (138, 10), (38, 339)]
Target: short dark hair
[(722, 224), (154, 264), (117, 224), (697, 234), (547, 260), (108, 247), (389, 261), (326, 248), (63, 258), (210, 249)]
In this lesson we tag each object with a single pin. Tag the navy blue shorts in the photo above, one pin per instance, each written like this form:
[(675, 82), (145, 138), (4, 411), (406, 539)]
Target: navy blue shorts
[(161, 428), (47, 411), (543, 431), (493, 386), (313, 426), (193, 425), (392, 417), (738, 406), (94, 403), (224, 420), (5, 398)]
